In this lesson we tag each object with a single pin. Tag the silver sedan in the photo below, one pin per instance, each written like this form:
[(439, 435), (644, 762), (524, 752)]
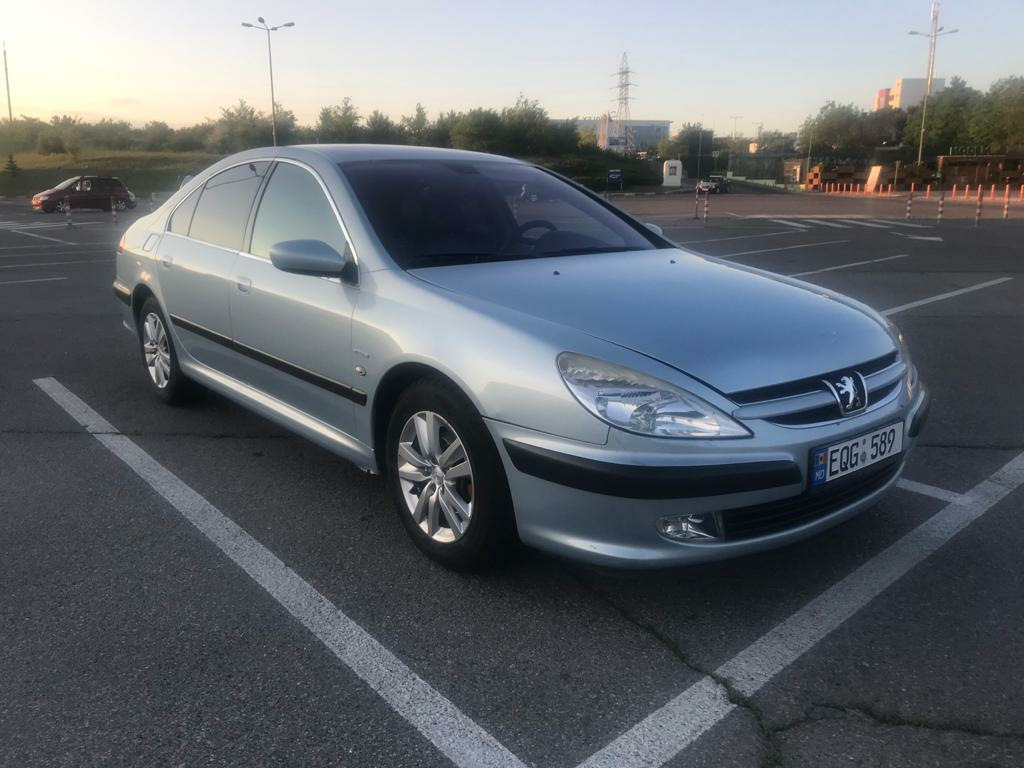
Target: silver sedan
[(521, 360)]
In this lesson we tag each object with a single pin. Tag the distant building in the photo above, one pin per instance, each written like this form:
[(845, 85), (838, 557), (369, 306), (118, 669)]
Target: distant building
[(906, 93), (610, 135)]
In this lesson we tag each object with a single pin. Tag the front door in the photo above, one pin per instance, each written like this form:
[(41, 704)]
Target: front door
[(293, 332)]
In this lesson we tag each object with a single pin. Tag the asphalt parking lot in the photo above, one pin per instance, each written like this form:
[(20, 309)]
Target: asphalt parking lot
[(196, 586)]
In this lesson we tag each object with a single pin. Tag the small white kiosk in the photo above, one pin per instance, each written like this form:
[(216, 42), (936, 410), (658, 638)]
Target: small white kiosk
[(672, 173)]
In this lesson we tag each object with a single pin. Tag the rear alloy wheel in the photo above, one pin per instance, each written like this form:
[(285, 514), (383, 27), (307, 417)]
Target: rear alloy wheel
[(447, 478), (159, 356), (120, 205)]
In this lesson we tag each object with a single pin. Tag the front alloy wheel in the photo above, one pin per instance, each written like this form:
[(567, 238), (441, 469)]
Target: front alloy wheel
[(447, 478), (436, 477)]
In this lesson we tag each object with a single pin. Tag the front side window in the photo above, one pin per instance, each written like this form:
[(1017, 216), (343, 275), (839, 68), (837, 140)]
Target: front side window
[(224, 205), (437, 212), (85, 185), (294, 207)]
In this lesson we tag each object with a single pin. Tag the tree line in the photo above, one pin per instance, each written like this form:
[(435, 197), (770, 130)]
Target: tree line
[(523, 129)]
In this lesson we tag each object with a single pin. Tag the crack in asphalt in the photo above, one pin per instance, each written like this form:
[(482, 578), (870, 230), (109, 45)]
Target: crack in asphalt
[(771, 745), (769, 735), (830, 711)]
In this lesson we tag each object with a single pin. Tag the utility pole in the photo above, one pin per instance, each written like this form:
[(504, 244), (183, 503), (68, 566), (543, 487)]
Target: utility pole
[(935, 33), (7, 84), (734, 118), (270, 59)]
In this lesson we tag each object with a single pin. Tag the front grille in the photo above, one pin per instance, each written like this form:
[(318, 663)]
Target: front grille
[(810, 384), (812, 504), (809, 401)]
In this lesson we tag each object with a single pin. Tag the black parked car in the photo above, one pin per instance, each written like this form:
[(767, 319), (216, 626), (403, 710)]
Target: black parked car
[(85, 192)]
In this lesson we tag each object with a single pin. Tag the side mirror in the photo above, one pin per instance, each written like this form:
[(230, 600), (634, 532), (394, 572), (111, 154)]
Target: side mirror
[(655, 229), (309, 257)]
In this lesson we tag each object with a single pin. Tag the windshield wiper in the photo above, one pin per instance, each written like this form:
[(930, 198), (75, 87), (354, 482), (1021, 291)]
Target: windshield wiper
[(584, 250), (448, 259)]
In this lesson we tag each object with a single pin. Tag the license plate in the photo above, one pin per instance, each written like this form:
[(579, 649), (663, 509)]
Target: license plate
[(848, 456)]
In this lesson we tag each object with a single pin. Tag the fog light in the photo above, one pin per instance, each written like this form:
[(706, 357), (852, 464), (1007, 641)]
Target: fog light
[(688, 527)]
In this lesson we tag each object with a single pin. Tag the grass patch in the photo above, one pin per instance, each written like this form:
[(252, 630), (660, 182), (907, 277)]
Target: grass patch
[(143, 172)]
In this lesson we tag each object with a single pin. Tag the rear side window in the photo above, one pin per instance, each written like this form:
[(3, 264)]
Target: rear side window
[(182, 216), (224, 205), (294, 207)]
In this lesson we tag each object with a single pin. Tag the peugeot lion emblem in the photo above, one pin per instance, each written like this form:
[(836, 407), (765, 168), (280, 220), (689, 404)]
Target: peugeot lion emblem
[(850, 391)]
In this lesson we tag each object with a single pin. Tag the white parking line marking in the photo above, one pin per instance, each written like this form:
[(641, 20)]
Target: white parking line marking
[(927, 490), (860, 223), (822, 222), (34, 280), (666, 732), (942, 296), (54, 263), (459, 738), (848, 266), (901, 223), (735, 237), (790, 223), (783, 248), (41, 237)]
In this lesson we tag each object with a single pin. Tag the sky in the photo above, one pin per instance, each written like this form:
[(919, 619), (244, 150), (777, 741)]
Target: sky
[(771, 63)]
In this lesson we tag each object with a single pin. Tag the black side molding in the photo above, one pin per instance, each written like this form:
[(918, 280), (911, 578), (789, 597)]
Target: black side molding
[(637, 482), (921, 416), (123, 292), (344, 390)]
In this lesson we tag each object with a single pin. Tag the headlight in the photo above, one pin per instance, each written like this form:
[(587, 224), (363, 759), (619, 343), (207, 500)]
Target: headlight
[(642, 404)]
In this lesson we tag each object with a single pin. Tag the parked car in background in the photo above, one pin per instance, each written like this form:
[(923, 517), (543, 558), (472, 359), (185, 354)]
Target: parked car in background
[(713, 185), (101, 192), (521, 360)]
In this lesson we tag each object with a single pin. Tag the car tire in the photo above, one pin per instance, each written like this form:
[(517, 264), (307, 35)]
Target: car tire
[(160, 357), (471, 478), (120, 205)]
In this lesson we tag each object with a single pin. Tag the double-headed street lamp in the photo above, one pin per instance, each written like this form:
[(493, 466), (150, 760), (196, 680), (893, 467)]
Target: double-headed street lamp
[(270, 59), (935, 33)]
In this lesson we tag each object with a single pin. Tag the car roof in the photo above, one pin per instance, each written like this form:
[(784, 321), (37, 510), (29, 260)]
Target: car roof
[(341, 153)]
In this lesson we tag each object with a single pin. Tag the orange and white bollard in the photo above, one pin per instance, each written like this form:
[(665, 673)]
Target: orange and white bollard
[(890, 189), (1006, 203), (928, 192), (1021, 198), (992, 193), (953, 195), (912, 185)]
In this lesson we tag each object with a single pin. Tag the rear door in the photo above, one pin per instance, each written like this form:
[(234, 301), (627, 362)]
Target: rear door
[(196, 258), (294, 332)]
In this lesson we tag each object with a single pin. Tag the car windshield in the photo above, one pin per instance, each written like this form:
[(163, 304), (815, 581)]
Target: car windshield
[(440, 212), (67, 182)]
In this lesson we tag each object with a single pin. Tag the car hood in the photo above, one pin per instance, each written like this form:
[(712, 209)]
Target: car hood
[(730, 327)]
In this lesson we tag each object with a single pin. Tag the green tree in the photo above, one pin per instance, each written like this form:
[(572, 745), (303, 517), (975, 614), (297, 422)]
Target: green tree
[(951, 120), (381, 129), (339, 123), (999, 122), (479, 129), (416, 127)]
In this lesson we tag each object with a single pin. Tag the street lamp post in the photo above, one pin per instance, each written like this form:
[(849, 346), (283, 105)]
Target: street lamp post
[(936, 32), (270, 60)]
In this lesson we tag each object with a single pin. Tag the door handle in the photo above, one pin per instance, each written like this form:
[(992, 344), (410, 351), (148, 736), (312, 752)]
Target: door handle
[(243, 284), (167, 260)]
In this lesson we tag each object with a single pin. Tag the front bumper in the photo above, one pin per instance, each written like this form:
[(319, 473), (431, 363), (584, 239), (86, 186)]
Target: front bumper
[(602, 504)]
